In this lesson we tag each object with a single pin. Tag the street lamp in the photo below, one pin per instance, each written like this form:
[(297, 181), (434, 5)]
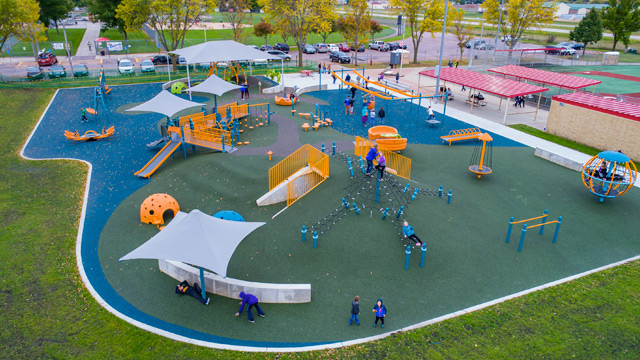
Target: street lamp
[(444, 28)]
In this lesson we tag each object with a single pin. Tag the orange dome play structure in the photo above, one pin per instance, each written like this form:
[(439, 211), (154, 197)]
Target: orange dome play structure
[(155, 206), (387, 138)]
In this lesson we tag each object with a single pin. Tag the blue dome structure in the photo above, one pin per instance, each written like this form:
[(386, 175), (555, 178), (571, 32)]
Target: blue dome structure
[(610, 174)]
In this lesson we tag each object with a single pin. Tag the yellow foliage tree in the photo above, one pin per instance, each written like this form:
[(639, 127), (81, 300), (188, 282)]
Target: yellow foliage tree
[(235, 15), (20, 18), (461, 29), (518, 16), (355, 25), (422, 16), (302, 17)]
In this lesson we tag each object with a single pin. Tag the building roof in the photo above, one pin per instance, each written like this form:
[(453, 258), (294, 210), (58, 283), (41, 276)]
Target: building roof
[(601, 104), (545, 77), (588, 6), (487, 83)]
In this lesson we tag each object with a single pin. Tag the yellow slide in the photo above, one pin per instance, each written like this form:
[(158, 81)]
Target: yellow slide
[(157, 160)]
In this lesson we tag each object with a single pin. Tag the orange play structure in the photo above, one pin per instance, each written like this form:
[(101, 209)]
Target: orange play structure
[(461, 134), (155, 206), (390, 89), (387, 138), (396, 164), (89, 135), (283, 101)]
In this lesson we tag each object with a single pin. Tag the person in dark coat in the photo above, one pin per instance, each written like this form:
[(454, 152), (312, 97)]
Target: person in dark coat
[(381, 311), (185, 289), (353, 92), (355, 311), (381, 115), (250, 300)]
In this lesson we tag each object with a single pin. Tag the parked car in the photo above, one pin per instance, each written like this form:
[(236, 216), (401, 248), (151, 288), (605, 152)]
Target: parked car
[(473, 43), (35, 73), (340, 57), (266, 47), (396, 46), (379, 45), (553, 49), (125, 66), (333, 48), (309, 49), (572, 45), (255, 47), (568, 51), (146, 66), (80, 70), (359, 48), (57, 71), (279, 54), (344, 47), (282, 47), (321, 48), (161, 60), (484, 46), (47, 59)]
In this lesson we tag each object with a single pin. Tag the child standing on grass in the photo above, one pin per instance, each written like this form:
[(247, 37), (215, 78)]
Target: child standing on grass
[(355, 311), (381, 311)]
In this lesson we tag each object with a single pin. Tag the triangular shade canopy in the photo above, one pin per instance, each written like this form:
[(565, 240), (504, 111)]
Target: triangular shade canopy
[(197, 239), (223, 50), (165, 103), (214, 85)]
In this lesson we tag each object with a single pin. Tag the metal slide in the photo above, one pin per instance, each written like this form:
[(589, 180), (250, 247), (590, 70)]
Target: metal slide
[(157, 160)]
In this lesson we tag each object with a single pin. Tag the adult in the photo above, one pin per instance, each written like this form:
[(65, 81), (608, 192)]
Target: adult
[(450, 64), (353, 92), (457, 62), (89, 45), (319, 68), (408, 232), (381, 115), (246, 90), (185, 289), (250, 300), (347, 78), (371, 155), (243, 89)]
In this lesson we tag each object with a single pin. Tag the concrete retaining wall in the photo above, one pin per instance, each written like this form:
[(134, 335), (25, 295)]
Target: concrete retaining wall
[(231, 288), (558, 159), (274, 90), (310, 89), (594, 128)]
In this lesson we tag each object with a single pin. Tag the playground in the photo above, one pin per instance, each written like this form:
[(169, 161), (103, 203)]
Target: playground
[(467, 263)]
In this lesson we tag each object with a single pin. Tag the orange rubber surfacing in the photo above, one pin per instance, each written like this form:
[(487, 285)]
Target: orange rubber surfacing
[(155, 206)]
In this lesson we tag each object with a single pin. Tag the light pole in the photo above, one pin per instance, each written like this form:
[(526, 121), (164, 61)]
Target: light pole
[(444, 28), (66, 46), (499, 23)]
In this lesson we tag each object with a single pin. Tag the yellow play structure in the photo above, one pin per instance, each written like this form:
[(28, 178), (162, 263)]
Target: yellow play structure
[(300, 172), (396, 164), (154, 207), (461, 135), (387, 138), (284, 101), (89, 135), (229, 71)]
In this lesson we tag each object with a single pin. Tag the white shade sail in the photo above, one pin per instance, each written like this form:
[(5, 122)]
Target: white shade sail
[(223, 50), (165, 103), (197, 239), (214, 85)]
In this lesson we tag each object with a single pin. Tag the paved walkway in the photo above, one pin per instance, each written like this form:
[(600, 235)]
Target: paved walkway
[(92, 33)]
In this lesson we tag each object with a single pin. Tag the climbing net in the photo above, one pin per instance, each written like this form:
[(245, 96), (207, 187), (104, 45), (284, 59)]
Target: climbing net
[(366, 194)]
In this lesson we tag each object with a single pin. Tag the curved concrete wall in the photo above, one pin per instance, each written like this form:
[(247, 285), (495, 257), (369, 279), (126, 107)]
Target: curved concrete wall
[(231, 288)]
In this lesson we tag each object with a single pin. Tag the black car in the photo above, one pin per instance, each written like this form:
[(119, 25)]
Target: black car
[(340, 57), (282, 47), (396, 46), (360, 48), (161, 60)]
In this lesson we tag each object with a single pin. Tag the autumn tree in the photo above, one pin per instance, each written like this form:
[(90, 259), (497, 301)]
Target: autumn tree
[(588, 31), (235, 13), (169, 18), (16, 17), (374, 28), (325, 31), (518, 16), (421, 16), (54, 10), (621, 17), (355, 24), (461, 29), (263, 29), (105, 11), (302, 16), (283, 29)]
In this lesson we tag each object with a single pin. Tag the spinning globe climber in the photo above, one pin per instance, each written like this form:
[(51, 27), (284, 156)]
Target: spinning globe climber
[(609, 174)]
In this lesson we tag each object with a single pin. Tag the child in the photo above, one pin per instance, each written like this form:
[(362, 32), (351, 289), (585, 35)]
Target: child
[(83, 111), (381, 115), (397, 77), (364, 115), (408, 232), (431, 115), (347, 105), (355, 311), (382, 163), (371, 155), (372, 118), (351, 103), (380, 310)]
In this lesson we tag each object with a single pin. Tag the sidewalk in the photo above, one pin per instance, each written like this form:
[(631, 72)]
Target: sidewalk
[(92, 33)]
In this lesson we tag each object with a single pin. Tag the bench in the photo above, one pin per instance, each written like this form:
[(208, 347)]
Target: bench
[(461, 134), (477, 102), (316, 126), (304, 115), (305, 126)]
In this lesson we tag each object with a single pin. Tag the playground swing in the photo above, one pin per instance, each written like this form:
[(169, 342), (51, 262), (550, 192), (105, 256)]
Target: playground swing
[(481, 159)]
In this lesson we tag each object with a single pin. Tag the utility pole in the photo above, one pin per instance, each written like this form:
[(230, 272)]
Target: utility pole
[(66, 46), (444, 29)]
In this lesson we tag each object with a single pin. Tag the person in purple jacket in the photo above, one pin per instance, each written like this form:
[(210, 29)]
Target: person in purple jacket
[(251, 301)]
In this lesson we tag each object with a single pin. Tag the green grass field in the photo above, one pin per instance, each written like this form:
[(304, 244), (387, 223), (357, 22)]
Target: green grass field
[(74, 37), (47, 312)]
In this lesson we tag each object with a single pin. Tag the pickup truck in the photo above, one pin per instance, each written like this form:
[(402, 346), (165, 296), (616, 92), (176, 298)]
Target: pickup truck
[(379, 45)]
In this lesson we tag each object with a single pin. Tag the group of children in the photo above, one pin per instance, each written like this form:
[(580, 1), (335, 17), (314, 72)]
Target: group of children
[(368, 109), (244, 90), (379, 310)]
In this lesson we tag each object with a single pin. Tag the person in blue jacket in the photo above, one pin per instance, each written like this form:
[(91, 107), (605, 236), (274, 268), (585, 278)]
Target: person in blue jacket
[(371, 155), (250, 300), (408, 232), (381, 311)]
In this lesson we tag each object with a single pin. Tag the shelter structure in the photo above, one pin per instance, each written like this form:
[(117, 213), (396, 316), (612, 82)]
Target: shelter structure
[(214, 85), (504, 88), (545, 77), (197, 239), (165, 103), (222, 51)]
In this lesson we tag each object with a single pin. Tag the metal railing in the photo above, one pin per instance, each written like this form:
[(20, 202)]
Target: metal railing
[(305, 155), (395, 162)]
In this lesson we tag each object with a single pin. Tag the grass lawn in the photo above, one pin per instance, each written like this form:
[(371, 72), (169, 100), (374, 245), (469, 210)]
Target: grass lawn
[(556, 139), (74, 37), (138, 40), (48, 313)]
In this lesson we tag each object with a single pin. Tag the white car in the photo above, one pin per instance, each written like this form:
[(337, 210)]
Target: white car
[(125, 66), (333, 48), (568, 51), (147, 66)]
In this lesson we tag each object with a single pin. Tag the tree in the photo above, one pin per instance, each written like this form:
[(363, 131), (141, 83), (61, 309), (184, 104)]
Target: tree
[(302, 16), (325, 31), (234, 12), (421, 16), (263, 29), (54, 10), (588, 31), (105, 11), (355, 25), (169, 18), (518, 16), (375, 28), (461, 29), (622, 17), (283, 29), (15, 15)]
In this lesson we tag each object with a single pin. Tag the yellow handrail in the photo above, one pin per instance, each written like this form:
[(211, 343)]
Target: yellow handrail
[(397, 162)]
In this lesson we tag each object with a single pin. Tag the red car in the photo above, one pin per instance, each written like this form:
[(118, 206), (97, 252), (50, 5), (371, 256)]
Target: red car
[(47, 59), (344, 47)]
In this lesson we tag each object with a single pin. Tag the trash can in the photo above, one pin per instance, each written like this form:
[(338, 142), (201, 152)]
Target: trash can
[(102, 52)]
